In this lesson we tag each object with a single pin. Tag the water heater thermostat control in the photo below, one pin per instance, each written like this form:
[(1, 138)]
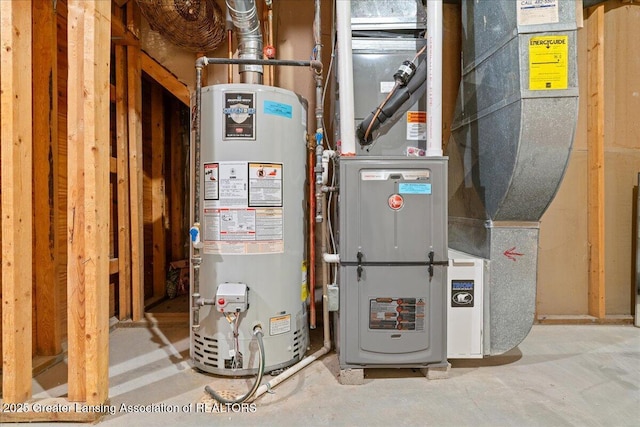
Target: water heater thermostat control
[(232, 297)]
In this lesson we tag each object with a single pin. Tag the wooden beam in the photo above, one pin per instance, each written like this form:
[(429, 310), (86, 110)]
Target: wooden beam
[(15, 182), (595, 160), (120, 34), (134, 105), (45, 182), (88, 206), (165, 78), (158, 191), (124, 236)]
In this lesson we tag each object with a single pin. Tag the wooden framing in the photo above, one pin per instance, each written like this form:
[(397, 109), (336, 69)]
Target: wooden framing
[(176, 187), (134, 105), (158, 192), (595, 160), (15, 183), (124, 235), (120, 35), (452, 17), (48, 337), (88, 208), (165, 78)]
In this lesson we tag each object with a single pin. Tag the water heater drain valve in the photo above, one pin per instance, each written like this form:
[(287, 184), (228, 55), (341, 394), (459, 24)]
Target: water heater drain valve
[(232, 297)]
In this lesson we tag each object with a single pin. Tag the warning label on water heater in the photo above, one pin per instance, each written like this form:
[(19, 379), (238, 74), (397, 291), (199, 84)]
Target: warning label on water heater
[(400, 314), (243, 213)]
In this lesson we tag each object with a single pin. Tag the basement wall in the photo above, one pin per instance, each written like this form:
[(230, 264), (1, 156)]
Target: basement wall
[(563, 253)]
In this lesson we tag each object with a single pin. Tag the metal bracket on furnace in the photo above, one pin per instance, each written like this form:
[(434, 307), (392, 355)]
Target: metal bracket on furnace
[(360, 264)]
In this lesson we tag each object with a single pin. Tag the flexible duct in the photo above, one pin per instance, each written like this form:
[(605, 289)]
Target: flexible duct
[(244, 15)]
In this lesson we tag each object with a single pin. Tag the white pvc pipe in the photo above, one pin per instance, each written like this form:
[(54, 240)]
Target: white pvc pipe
[(345, 78), (434, 78)]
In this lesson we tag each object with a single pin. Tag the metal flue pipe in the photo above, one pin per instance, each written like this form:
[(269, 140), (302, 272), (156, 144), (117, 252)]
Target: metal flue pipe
[(244, 15)]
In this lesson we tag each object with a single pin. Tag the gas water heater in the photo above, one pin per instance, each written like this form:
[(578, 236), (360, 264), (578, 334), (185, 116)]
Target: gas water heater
[(252, 272)]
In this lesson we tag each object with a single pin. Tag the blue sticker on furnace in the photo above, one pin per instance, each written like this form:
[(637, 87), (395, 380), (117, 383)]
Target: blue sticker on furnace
[(278, 109), (414, 188)]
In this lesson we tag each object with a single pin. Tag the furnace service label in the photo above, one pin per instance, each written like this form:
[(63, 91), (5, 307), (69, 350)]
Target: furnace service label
[(416, 125), (399, 314)]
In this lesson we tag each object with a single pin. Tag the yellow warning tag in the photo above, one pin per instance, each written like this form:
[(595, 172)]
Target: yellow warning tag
[(548, 63), (304, 289)]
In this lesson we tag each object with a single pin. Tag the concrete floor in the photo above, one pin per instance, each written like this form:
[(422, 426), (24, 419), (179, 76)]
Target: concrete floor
[(559, 376)]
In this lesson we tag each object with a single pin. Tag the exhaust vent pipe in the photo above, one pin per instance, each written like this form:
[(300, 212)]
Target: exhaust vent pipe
[(244, 15)]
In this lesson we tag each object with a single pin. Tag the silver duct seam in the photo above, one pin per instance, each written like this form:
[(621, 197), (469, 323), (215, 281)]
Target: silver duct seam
[(244, 15), (508, 154)]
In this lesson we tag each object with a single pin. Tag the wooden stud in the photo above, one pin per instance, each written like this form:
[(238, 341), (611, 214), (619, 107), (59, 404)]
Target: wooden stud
[(595, 160), (134, 104), (61, 190), (451, 64), (16, 183), (88, 205), (157, 191), (124, 236), (45, 181), (177, 185)]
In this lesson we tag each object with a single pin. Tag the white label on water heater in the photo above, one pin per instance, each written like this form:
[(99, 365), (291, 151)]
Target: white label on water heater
[(280, 325), (265, 184), (233, 186), (247, 218)]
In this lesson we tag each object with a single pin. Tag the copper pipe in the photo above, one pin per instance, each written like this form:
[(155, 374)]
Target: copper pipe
[(312, 242), (230, 48), (270, 43)]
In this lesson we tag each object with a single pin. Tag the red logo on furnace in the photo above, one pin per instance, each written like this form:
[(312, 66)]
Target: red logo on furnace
[(396, 202)]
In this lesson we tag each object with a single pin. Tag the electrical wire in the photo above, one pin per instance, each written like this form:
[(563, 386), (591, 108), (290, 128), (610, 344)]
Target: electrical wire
[(261, 364)]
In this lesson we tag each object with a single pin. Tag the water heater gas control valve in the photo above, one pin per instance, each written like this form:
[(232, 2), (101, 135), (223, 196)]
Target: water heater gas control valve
[(232, 297)]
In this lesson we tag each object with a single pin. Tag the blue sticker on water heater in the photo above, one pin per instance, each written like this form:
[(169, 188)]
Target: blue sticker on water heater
[(278, 109), (414, 188)]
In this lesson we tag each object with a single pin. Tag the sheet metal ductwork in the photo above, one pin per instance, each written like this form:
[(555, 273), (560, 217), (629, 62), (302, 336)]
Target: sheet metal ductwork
[(508, 153)]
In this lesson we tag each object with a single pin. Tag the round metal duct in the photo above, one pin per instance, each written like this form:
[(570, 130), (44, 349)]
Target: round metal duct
[(197, 25)]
